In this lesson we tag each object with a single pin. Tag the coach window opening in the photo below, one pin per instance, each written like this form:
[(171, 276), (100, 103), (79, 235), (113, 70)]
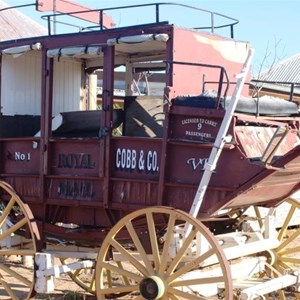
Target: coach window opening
[(75, 91)]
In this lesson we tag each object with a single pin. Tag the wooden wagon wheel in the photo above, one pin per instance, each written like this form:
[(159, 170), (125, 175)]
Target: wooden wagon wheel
[(161, 261), (80, 276), (286, 257), (85, 277), (18, 235)]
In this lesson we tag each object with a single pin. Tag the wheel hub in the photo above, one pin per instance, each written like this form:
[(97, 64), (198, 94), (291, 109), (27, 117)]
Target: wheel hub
[(152, 288), (270, 255)]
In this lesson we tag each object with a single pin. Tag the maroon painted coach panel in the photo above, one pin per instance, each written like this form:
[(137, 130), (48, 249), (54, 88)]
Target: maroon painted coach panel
[(133, 194), (20, 156), (29, 186), (135, 158), (135, 172), (189, 159), (195, 128), (190, 123), (73, 157), (75, 189)]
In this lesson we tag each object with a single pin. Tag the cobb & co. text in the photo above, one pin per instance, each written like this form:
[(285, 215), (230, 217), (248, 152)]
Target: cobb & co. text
[(141, 161)]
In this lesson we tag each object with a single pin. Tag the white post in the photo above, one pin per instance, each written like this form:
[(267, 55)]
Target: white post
[(44, 284), (128, 79), (92, 92)]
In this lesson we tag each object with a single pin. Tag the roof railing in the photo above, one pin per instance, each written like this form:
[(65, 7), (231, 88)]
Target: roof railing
[(258, 84), (228, 22), (17, 6), (223, 82)]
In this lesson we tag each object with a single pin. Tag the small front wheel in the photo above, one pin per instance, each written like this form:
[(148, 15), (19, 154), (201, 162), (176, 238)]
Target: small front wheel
[(18, 237)]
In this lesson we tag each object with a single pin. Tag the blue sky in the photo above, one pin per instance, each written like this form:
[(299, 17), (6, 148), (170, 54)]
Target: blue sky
[(272, 27)]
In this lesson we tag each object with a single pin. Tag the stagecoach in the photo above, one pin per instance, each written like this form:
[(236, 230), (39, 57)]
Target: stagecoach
[(170, 188)]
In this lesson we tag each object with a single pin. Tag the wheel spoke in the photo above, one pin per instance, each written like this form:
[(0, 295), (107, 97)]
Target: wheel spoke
[(290, 251), (286, 223), (292, 260), (79, 277), (191, 265), (281, 295), (125, 279), (293, 202), (8, 289), (91, 288), (258, 216), (167, 243), (185, 295), (288, 240), (13, 229), (170, 296), (109, 277), (120, 289), (180, 254), (7, 210), (197, 281), (140, 249), (129, 257), (15, 275), (139, 298), (123, 272), (281, 265), (153, 240)]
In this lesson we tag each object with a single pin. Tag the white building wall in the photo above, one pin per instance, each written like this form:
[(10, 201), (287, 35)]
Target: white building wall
[(21, 84), (67, 85)]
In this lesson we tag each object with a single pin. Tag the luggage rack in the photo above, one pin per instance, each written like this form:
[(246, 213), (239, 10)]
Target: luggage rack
[(157, 8)]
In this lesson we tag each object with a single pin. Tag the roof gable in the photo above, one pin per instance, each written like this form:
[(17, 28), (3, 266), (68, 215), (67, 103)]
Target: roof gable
[(287, 70), (15, 25)]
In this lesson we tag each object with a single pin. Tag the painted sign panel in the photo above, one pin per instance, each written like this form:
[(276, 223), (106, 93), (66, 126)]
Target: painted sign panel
[(136, 159), (20, 157), (195, 128), (83, 189), (76, 158)]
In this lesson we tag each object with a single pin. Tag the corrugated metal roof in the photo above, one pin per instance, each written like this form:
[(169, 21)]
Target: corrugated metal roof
[(16, 25), (287, 70)]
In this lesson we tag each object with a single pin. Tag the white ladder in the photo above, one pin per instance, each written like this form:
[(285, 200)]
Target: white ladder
[(221, 138)]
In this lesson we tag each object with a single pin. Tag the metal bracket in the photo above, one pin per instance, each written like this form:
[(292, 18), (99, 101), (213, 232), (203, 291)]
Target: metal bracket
[(104, 131)]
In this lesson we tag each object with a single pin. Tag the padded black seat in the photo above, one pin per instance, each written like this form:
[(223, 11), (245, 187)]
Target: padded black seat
[(265, 105)]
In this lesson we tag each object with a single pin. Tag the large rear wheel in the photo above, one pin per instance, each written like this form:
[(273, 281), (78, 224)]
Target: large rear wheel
[(166, 254)]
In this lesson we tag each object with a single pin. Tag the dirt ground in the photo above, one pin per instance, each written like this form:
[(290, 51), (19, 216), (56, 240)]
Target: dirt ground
[(65, 289)]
